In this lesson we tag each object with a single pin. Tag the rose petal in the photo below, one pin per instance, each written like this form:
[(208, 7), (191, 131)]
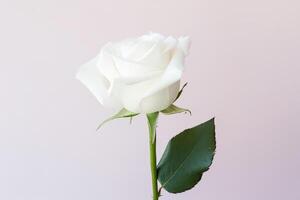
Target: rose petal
[(131, 95), (156, 57), (185, 43), (160, 100), (143, 46), (131, 69), (170, 43), (175, 68), (158, 93), (106, 63), (137, 50), (171, 77), (172, 74), (90, 75)]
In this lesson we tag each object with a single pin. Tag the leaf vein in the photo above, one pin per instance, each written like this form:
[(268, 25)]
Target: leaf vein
[(180, 166)]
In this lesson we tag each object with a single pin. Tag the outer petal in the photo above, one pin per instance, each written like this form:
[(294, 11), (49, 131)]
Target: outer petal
[(97, 84), (170, 43), (184, 44), (161, 99), (132, 96), (106, 63)]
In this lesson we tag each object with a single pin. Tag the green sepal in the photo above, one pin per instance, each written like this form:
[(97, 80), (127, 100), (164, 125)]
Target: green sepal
[(187, 156), (180, 92), (172, 109), (121, 114), (152, 122)]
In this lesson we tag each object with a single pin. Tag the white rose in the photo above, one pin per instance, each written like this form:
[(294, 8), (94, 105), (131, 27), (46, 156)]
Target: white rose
[(141, 75)]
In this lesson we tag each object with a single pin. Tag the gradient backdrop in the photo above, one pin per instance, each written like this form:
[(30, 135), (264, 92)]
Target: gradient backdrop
[(243, 68)]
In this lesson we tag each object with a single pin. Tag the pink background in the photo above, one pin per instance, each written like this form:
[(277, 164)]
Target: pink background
[(243, 68)]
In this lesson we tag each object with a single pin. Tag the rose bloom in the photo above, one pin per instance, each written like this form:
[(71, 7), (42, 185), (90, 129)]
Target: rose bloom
[(140, 74)]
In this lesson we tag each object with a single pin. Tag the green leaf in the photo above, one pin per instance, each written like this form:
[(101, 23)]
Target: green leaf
[(187, 156), (121, 114), (172, 109), (152, 122), (180, 92)]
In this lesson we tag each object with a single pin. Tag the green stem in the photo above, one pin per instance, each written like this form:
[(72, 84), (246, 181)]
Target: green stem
[(152, 144)]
